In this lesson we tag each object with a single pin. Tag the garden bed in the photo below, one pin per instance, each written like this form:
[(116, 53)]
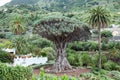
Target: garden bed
[(74, 72)]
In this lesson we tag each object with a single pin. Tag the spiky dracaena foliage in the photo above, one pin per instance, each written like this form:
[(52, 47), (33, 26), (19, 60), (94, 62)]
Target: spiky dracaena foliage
[(61, 30), (99, 17)]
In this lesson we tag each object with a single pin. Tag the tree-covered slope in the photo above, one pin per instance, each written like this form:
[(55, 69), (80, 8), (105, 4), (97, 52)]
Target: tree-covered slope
[(18, 2), (68, 5), (33, 8)]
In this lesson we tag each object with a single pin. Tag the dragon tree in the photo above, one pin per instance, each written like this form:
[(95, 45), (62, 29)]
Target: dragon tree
[(61, 30)]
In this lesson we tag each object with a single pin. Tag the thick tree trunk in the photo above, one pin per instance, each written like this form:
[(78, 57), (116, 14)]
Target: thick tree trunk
[(61, 63), (99, 48)]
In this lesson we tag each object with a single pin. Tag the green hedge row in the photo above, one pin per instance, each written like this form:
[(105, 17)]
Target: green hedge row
[(101, 75), (77, 58), (93, 46), (84, 58), (14, 73)]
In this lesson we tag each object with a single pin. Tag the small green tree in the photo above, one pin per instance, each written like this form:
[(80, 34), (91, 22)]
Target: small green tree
[(105, 35), (61, 30)]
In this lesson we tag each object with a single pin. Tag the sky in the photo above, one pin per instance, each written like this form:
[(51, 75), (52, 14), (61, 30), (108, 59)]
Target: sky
[(2, 2)]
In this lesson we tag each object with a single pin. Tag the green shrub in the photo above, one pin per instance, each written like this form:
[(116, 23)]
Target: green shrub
[(92, 46), (71, 59), (94, 60), (74, 58), (70, 56), (2, 35), (118, 67), (49, 52), (64, 77), (84, 46), (5, 43), (111, 45), (51, 77), (85, 59), (40, 42), (78, 60), (88, 76), (114, 44), (117, 45), (14, 73), (96, 76), (6, 57), (114, 55), (36, 51), (105, 47), (105, 40), (109, 65), (44, 43), (42, 74), (105, 36), (114, 75), (76, 46)]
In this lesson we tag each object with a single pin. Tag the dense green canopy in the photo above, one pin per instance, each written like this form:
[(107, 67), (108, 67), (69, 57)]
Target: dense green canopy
[(61, 28)]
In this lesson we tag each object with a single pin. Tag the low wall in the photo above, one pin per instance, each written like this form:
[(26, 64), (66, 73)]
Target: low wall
[(29, 61)]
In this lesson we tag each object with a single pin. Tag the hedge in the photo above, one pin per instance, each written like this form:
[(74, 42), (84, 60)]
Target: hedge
[(6, 57), (14, 73), (93, 46)]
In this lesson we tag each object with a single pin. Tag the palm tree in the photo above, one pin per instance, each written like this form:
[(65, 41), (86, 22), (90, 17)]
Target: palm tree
[(17, 25), (99, 17), (20, 44)]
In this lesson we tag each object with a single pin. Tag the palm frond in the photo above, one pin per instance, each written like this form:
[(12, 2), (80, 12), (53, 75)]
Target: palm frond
[(99, 17)]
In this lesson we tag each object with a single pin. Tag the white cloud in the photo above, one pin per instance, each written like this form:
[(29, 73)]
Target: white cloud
[(2, 2)]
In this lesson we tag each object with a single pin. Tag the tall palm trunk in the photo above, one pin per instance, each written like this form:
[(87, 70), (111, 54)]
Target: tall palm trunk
[(99, 47)]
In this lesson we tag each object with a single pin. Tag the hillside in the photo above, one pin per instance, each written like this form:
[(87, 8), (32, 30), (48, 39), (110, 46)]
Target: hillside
[(32, 9), (68, 5), (19, 2)]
